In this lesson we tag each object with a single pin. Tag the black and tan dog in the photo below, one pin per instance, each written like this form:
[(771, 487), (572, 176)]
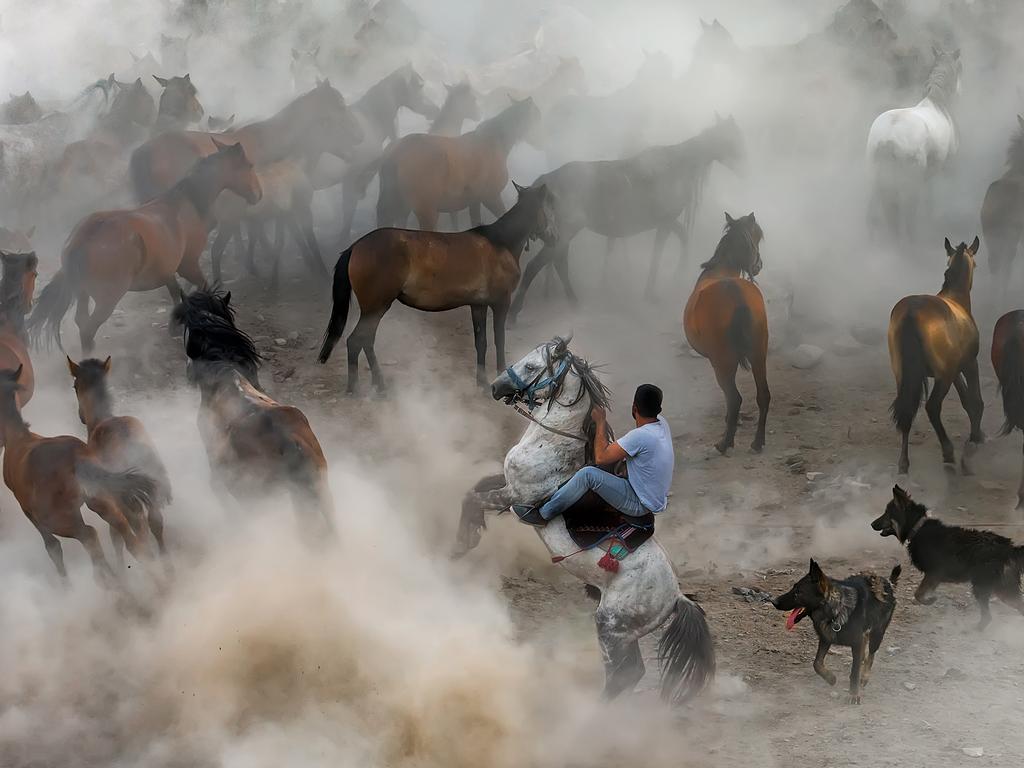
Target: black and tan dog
[(852, 612), (947, 553)]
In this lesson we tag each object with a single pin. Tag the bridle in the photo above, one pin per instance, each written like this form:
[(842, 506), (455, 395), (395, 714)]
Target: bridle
[(528, 391)]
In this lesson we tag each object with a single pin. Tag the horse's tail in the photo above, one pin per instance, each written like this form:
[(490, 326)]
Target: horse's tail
[(686, 652), (54, 301), (340, 299), (1011, 382), (741, 333), (134, 491), (139, 168), (387, 197), (913, 373)]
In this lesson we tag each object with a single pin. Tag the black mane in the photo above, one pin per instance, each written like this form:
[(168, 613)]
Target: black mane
[(738, 246), (211, 339)]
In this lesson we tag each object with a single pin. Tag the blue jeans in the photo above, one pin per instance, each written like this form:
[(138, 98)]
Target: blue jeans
[(613, 489)]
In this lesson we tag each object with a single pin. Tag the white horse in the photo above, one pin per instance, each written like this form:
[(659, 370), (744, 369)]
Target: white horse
[(906, 146), (644, 593)]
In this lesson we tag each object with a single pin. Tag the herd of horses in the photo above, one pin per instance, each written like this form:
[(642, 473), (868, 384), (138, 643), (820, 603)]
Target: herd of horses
[(233, 182)]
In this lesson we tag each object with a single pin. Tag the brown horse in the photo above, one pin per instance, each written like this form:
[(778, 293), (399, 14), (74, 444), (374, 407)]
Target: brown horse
[(179, 104), (430, 174), (113, 252), (17, 287), (936, 337), (460, 105), (1002, 212), (51, 477), (1008, 362), (725, 321), (434, 272), (314, 123), (119, 444), (254, 444)]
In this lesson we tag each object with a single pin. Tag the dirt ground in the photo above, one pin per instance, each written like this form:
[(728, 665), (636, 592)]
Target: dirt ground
[(743, 520)]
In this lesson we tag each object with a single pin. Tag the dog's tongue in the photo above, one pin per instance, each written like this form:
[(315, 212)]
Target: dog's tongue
[(795, 614)]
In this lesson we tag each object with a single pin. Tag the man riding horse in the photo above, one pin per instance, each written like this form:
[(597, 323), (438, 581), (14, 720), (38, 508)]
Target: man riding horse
[(649, 456)]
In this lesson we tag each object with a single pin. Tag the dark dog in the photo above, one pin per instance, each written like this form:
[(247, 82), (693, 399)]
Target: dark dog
[(947, 553), (853, 612)]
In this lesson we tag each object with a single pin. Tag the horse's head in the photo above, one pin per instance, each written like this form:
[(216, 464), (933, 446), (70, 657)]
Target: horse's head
[(237, 171), (715, 42), (213, 343), (537, 376), (174, 51), (960, 265), (16, 240), (946, 73), (461, 100), (134, 103), (409, 92), (180, 99), (523, 121), (218, 124), (90, 384), (539, 205), (305, 68), (740, 246), (728, 144), (331, 122), (22, 109), (18, 284)]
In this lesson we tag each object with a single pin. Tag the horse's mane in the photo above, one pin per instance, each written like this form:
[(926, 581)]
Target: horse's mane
[(941, 81), (1015, 152), (592, 386), (957, 270), (211, 337), (507, 124), (736, 247)]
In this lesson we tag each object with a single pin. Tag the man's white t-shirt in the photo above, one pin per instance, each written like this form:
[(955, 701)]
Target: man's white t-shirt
[(650, 463)]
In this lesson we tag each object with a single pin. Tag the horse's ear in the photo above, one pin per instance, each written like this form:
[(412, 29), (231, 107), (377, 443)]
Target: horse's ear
[(161, 80), (187, 78), (72, 367), (975, 246), (227, 298), (519, 189), (138, 82), (704, 25), (30, 231), (950, 250), (106, 365), (1020, 121), (218, 144), (110, 81), (231, 119), (730, 220)]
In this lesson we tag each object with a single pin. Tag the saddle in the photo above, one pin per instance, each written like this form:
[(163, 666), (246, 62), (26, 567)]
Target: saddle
[(592, 522)]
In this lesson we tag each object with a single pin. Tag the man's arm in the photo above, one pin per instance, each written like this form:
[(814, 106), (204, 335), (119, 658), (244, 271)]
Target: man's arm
[(604, 451)]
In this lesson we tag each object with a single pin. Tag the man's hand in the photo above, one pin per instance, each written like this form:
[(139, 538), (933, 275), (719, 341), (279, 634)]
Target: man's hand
[(598, 414), (604, 452)]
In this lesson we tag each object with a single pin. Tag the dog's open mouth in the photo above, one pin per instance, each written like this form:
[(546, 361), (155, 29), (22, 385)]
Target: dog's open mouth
[(793, 617)]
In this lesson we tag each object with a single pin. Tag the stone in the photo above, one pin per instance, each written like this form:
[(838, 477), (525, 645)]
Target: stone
[(812, 476), (973, 751), (806, 356), (280, 342), (910, 686)]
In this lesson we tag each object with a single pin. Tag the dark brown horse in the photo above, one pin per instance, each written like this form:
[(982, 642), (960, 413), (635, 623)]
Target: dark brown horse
[(51, 477), (17, 288), (254, 444), (113, 252), (935, 337), (622, 198), (1008, 362), (434, 272), (179, 104), (314, 123), (1002, 212), (430, 174), (119, 444), (725, 321)]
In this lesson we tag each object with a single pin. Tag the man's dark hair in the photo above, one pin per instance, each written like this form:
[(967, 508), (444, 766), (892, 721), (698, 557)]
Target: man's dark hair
[(648, 400)]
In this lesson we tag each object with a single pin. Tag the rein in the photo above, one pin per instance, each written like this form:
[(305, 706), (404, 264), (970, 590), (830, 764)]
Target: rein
[(529, 393), (523, 412)]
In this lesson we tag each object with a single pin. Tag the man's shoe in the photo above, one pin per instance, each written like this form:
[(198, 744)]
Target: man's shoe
[(529, 515)]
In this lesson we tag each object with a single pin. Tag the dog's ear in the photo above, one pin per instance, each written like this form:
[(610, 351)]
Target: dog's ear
[(819, 575), (901, 497)]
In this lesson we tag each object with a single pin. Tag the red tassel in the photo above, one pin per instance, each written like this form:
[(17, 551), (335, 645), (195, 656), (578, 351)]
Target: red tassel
[(609, 563)]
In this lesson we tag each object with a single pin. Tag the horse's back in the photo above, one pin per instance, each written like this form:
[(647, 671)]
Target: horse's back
[(1003, 206), (919, 134), (448, 171)]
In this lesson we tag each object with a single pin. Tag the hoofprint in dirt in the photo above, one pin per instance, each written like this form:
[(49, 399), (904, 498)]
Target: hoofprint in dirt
[(826, 472)]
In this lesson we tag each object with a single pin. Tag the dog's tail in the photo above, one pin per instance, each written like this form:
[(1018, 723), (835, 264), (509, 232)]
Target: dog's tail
[(894, 576), (686, 652), (1011, 384), (342, 296), (913, 373)]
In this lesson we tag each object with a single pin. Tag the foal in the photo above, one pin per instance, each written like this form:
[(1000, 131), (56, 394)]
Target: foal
[(119, 443)]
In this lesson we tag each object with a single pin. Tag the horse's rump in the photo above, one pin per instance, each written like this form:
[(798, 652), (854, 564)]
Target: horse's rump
[(948, 335), (712, 318), (164, 160), (447, 172)]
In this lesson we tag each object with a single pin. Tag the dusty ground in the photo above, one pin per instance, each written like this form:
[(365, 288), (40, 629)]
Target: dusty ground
[(742, 520)]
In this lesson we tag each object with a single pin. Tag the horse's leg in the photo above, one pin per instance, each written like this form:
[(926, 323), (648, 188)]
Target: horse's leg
[(903, 466), (53, 549), (759, 367), (660, 236), (302, 221), (496, 206), (474, 215), (349, 202), (472, 519), (561, 260), (537, 263), (1020, 487), (82, 315), (609, 250), (426, 218), (102, 571), (101, 312), (934, 410), (220, 242), (620, 649), (479, 312), (725, 374), (500, 315), (258, 237), (680, 232), (173, 289), (975, 405), (117, 544), (371, 354), (190, 270)]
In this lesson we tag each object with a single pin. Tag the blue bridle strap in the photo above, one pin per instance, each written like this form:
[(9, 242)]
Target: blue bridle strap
[(529, 391)]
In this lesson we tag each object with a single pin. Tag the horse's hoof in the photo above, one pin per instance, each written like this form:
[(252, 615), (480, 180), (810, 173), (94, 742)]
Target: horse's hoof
[(722, 447), (756, 446)]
